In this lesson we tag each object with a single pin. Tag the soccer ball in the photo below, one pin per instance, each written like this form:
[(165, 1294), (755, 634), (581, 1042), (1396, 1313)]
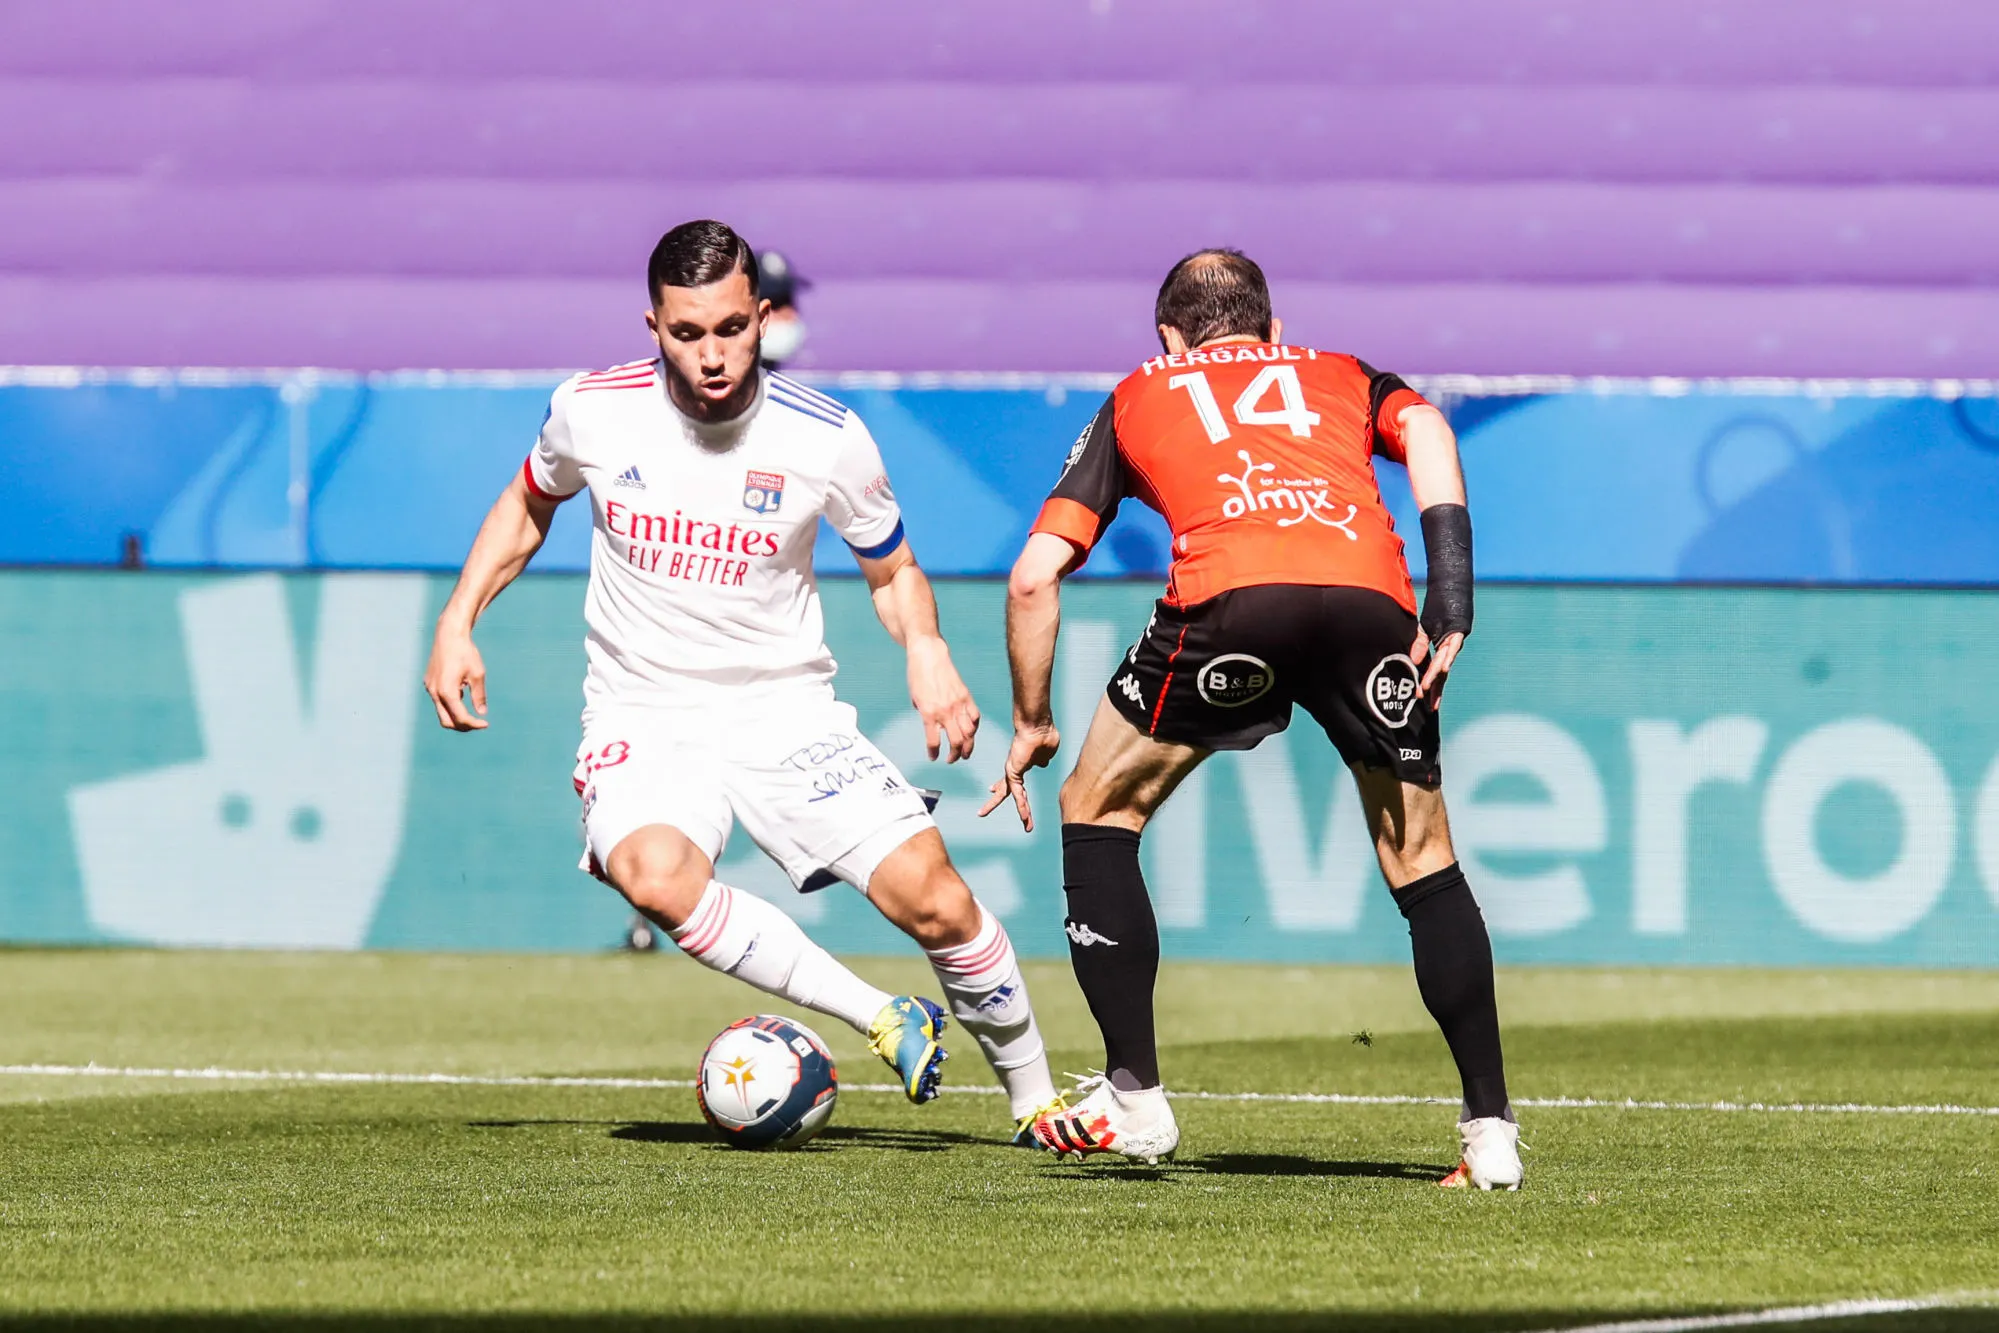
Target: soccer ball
[(767, 1082)]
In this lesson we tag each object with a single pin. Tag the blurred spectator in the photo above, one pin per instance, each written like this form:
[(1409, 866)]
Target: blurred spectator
[(780, 284)]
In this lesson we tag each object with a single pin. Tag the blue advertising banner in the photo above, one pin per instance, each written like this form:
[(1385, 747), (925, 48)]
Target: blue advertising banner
[(1623, 480), (1653, 774)]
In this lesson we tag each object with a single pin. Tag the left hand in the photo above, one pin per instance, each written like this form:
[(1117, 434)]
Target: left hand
[(1034, 744), (1440, 663), (942, 700)]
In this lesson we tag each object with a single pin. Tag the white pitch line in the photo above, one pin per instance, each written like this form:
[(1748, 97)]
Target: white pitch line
[(1790, 1314), (215, 1075)]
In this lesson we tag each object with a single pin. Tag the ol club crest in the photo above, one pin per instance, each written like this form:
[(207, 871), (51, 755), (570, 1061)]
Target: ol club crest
[(763, 492)]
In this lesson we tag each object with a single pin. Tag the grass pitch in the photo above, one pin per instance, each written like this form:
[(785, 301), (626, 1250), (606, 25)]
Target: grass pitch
[(160, 1201)]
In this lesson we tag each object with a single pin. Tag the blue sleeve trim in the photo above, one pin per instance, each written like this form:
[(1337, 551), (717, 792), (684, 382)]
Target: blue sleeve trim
[(886, 547)]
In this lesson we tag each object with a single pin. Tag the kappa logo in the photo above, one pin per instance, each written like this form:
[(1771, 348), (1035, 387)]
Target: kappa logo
[(1391, 690), (1306, 497), (630, 479), (1234, 679), (1127, 685), (763, 492), (1084, 937)]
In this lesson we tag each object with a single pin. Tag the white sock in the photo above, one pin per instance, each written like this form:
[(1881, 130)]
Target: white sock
[(1147, 1102), (754, 941), (982, 980)]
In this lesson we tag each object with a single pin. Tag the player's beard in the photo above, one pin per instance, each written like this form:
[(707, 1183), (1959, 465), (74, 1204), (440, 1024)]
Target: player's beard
[(688, 398)]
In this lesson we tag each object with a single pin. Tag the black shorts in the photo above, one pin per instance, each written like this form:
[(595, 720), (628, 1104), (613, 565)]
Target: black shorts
[(1223, 674)]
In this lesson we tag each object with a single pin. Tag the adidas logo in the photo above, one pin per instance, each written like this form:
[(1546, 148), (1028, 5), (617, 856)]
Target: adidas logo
[(630, 477)]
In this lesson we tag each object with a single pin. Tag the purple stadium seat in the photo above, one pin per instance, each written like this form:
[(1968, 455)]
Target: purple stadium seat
[(1517, 186)]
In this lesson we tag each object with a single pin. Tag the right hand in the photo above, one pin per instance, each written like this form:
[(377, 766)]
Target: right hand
[(1033, 746), (455, 667)]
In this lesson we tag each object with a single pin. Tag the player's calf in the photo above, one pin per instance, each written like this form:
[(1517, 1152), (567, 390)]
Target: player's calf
[(1452, 952), (663, 874), (917, 888)]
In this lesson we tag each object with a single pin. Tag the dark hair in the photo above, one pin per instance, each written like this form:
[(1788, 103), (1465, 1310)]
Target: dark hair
[(1214, 294), (695, 254)]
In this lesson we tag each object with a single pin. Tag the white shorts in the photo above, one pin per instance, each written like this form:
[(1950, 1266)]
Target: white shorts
[(792, 767)]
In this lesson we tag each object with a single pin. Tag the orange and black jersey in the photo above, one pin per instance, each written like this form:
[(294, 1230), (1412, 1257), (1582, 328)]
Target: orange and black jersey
[(1260, 458)]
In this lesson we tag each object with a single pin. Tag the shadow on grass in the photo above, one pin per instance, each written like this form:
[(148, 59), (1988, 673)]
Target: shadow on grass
[(940, 1140), (700, 1135), (1282, 1164), (1356, 1321), (1254, 1164)]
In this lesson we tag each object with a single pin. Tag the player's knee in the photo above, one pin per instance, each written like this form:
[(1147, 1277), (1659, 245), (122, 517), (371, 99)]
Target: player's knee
[(663, 881), (945, 913), (1413, 841), (1081, 801)]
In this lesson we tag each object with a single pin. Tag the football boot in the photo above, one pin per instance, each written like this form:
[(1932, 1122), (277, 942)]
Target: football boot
[(1490, 1159), (1134, 1125), (905, 1035)]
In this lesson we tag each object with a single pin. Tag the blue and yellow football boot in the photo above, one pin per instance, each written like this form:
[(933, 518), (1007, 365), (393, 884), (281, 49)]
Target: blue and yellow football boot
[(905, 1035)]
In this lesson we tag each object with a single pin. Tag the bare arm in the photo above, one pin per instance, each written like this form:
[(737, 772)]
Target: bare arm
[(514, 530), (907, 606), (1033, 620), (1435, 478)]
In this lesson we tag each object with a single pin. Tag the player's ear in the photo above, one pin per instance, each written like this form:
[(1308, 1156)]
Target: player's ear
[(763, 317), (1276, 330), (652, 323), (1174, 341)]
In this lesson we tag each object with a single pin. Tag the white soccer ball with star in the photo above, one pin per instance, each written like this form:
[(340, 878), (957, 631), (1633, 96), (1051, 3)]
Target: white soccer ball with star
[(767, 1082)]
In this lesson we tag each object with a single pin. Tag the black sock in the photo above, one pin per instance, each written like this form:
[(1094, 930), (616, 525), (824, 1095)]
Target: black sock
[(1113, 946), (1454, 973)]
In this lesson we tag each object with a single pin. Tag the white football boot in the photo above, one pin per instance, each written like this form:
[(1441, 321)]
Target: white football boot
[(1135, 1125), (1490, 1158)]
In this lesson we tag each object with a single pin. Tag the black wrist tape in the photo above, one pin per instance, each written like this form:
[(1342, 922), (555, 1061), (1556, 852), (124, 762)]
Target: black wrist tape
[(1447, 590)]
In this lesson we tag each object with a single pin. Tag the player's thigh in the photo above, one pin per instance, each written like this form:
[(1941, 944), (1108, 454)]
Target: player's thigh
[(654, 815), (1410, 826), (816, 794), (916, 887), (1122, 775), (1358, 682)]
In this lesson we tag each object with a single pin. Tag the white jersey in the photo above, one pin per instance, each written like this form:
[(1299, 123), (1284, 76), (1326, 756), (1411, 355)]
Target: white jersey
[(701, 562)]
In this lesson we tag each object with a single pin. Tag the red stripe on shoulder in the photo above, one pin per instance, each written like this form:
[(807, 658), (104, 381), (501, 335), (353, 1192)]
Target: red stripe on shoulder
[(641, 370), (623, 369)]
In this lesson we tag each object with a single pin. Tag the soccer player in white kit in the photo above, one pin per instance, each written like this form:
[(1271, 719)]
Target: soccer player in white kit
[(709, 698)]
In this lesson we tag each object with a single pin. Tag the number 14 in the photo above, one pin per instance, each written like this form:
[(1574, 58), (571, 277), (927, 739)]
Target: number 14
[(1290, 411)]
